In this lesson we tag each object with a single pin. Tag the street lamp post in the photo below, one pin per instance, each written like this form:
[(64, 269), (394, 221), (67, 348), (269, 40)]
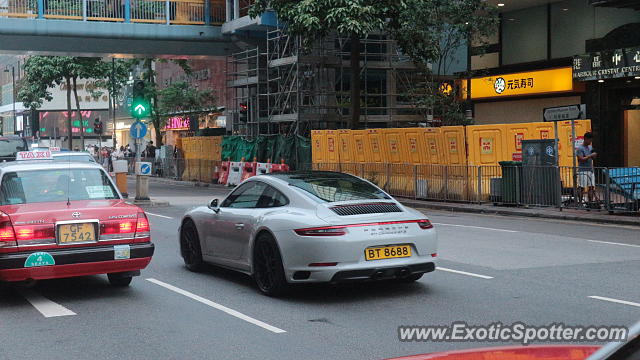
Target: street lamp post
[(13, 91)]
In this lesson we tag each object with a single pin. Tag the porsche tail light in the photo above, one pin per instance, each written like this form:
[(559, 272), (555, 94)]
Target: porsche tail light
[(425, 224), (322, 231)]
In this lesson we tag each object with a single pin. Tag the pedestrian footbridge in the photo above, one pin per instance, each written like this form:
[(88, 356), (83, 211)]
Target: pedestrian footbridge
[(159, 28)]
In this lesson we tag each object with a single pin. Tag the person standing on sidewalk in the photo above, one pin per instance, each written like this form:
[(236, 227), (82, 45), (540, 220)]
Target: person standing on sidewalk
[(586, 177)]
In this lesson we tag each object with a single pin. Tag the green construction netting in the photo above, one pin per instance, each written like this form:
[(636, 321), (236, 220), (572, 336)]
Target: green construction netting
[(294, 150)]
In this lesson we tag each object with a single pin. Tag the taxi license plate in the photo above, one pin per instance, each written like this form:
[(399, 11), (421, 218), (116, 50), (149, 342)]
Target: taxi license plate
[(387, 252), (76, 233)]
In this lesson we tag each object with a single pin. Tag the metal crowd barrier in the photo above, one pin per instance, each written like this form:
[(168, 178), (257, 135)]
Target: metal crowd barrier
[(612, 189)]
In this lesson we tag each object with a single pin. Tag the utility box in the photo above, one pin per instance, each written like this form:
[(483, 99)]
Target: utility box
[(540, 175)]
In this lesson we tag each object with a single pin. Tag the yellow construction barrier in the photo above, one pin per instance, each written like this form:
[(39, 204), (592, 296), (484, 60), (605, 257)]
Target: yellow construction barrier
[(359, 146), (515, 133), (318, 146), (392, 146), (332, 155), (486, 144), (454, 141), (344, 147), (373, 146), (414, 143)]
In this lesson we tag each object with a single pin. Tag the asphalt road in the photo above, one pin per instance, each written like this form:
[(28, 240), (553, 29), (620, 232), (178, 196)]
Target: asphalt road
[(493, 269)]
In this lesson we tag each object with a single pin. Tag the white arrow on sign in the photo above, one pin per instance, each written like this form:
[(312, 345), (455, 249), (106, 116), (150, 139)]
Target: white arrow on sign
[(139, 109), (138, 130), (571, 112)]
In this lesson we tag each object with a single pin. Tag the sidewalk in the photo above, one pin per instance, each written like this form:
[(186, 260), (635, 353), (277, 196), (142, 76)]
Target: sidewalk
[(594, 216)]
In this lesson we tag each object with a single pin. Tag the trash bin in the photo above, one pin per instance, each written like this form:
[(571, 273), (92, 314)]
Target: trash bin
[(511, 180)]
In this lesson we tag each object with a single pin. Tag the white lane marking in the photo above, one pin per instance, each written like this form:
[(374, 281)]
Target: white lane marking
[(214, 305), (613, 243), (477, 227), (615, 300), (45, 306), (158, 215), (464, 273)]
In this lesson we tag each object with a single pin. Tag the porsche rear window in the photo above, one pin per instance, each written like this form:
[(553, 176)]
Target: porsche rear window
[(337, 189), (38, 186)]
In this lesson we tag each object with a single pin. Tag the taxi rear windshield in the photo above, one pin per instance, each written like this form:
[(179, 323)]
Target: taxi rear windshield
[(9, 147), (39, 186)]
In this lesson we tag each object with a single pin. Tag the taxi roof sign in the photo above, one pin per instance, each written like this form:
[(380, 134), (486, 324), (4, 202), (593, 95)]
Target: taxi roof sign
[(34, 155)]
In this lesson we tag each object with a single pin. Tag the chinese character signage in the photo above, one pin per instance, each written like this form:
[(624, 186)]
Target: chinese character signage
[(527, 83), (607, 64), (486, 146), (178, 123)]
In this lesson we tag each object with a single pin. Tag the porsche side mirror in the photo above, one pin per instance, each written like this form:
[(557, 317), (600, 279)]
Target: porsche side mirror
[(213, 205)]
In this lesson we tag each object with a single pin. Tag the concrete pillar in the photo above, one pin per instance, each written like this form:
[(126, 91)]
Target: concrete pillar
[(236, 9)]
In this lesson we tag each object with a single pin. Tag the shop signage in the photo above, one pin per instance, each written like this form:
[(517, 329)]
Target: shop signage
[(609, 64), (178, 123), (526, 83), (561, 113)]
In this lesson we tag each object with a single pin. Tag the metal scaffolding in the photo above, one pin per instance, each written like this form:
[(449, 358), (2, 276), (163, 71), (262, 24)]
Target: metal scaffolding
[(291, 88), (246, 78)]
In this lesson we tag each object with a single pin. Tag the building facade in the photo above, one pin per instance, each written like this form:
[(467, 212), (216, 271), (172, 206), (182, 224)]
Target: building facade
[(556, 53)]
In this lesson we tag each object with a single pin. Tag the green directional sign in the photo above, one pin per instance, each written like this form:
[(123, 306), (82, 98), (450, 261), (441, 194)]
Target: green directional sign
[(140, 109)]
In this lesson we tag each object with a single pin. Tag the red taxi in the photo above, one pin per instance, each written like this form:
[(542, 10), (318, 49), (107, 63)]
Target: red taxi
[(66, 219)]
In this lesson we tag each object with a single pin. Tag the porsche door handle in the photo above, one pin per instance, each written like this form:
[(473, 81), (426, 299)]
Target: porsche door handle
[(239, 226)]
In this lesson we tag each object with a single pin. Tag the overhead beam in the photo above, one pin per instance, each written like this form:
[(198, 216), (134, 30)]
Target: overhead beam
[(84, 38)]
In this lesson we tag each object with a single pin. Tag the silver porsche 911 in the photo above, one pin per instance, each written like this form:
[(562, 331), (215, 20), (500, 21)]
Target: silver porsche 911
[(305, 227)]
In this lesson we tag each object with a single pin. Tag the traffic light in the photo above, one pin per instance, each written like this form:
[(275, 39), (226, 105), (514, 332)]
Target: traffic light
[(97, 127), (244, 112), (140, 106)]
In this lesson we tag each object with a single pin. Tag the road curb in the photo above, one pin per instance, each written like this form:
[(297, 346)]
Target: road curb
[(508, 212), (149, 203)]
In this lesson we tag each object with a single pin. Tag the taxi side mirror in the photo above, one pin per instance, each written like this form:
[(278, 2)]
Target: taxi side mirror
[(213, 205)]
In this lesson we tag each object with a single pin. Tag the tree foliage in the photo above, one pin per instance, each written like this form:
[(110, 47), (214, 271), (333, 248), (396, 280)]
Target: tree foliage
[(314, 19), (430, 32), (181, 97), (45, 72)]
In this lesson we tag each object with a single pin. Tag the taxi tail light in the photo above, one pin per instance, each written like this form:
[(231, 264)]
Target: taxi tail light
[(143, 223), (425, 224), (35, 232), (7, 235), (115, 227), (323, 231)]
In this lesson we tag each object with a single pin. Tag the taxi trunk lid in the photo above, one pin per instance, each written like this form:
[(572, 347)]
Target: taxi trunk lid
[(35, 224)]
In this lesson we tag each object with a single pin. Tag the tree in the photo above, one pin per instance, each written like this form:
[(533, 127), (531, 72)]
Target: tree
[(355, 19), (181, 97), (44, 72), (151, 89), (429, 32), (118, 72)]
